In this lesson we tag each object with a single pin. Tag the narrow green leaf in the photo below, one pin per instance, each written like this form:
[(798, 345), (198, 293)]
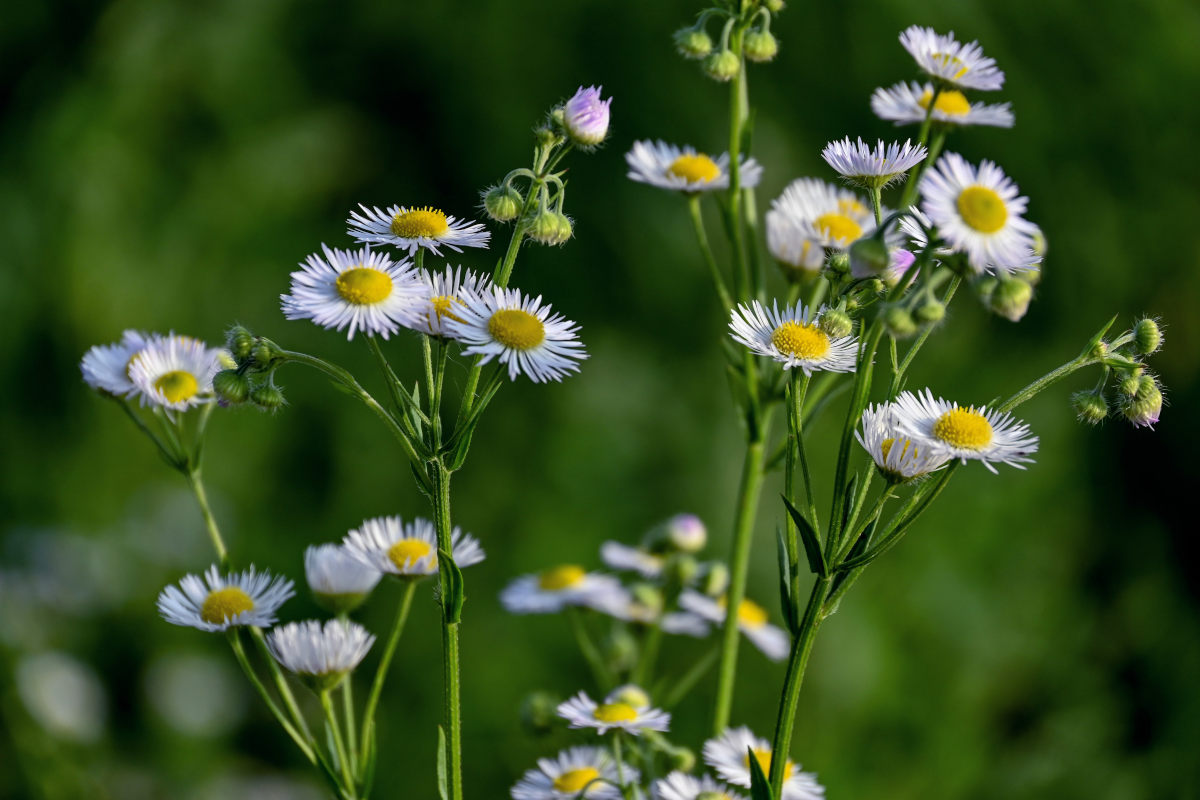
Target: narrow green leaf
[(812, 544), (786, 569), (367, 778), (442, 780), (848, 505), (760, 788), (452, 588), (459, 454)]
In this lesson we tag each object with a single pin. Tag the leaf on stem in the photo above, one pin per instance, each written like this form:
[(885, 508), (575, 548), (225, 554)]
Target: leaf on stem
[(760, 788), (452, 588), (808, 535), (786, 570)]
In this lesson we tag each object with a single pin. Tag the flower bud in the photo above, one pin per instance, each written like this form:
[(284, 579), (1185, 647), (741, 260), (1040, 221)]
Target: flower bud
[(722, 66), (1147, 336), (693, 42), (899, 323), (686, 533), (546, 228), (714, 579), (774, 6), (1143, 409), (547, 136), (682, 570), (503, 203), (267, 397), (240, 342), (231, 386), (898, 265), (684, 760), (835, 324), (930, 313), (1090, 407), (760, 46), (565, 228), (585, 116), (1129, 384), (630, 694), (868, 256), (838, 263), (539, 713), (1011, 299)]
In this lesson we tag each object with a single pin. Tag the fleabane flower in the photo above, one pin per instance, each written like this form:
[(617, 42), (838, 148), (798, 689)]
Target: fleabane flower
[(685, 169), (219, 602), (635, 559), (979, 212), (106, 367), (362, 290), (966, 433), (446, 291), (320, 654), (876, 167), (646, 608), (899, 458), (407, 549), (908, 103), (582, 711), (810, 216), (338, 580), (411, 228), (792, 337), (556, 588), (175, 372), (730, 757), (945, 59), (519, 331), (585, 116), (752, 620), (681, 786), (587, 770)]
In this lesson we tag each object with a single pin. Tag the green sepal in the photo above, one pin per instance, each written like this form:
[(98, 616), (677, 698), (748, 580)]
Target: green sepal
[(442, 781), (452, 588), (760, 788), (812, 543), (786, 570)]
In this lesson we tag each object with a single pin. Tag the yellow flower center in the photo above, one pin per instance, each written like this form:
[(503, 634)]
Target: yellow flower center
[(697, 168), (517, 329), (572, 781), (750, 614), (947, 60), (363, 286), (615, 712), (442, 305), (982, 209), (177, 386), (408, 552), (965, 428), (949, 102), (429, 223), (839, 227), (763, 756), (225, 604), (846, 206), (801, 341), (559, 578)]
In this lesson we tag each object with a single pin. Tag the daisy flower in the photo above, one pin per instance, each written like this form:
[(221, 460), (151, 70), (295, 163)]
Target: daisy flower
[(907, 103), (583, 712), (974, 432), (630, 606), (730, 757), (634, 559), (106, 367), (408, 550), (446, 291), (220, 602), (897, 457), (874, 168), (363, 290), (681, 786), (519, 331), (752, 620), (558, 587), (410, 229), (175, 372), (957, 65), (338, 580), (812, 215), (590, 770), (792, 337), (686, 170), (323, 654)]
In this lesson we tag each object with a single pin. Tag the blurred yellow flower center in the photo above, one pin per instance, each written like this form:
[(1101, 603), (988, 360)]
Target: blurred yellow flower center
[(965, 428), (839, 227), (427, 222), (851, 207), (442, 305), (517, 329), (408, 552), (572, 781), (697, 168), (225, 604), (948, 102), (800, 340), (559, 578), (750, 614), (947, 60), (982, 209), (363, 286), (615, 712), (763, 756), (177, 386)]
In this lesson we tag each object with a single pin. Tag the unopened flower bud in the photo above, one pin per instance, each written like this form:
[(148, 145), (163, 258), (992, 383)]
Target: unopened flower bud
[(547, 228), (539, 713), (899, 262), (231, 386), (267, 397), (868, 256), (503, 203), (835, 324), (714, 579), (930, 312), (631, 694), (684, 760), (774, 6), (760, 46), (1011, 299), (722, 66), (1129, 384), (693, 42), (565, 228), (1147, 336), (547, 136), (585, 116), (241, 341), (686, 533), (1090, 407), (838, 263), (1143, 409), (899, 323)]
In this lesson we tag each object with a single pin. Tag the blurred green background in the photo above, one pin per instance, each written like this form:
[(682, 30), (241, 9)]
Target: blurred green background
[(165, 166)]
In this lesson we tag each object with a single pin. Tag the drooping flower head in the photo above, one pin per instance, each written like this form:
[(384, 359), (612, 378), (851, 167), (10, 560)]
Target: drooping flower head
[(875, 167), (966, 433), (407, 550), (321, 654), (411, 229), (945, 59), (219, 602), (586, 115), (175, 372), (908, 103), (793, 337), (582, 711), (684, 169), (730, 757)]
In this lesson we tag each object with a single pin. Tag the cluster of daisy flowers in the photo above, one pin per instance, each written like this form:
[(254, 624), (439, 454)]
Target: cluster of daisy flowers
[(165, 371)]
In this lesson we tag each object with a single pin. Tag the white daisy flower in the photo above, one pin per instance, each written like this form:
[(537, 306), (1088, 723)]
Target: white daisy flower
[(915, 225), (634, 559), (681, 786), (752, 621), (811, 215), (908, 103), (730, 757), (686, 170), (106, 367), (412, 228), (338, 580), (554, 589), (896, 456), (792, 337), (794, 246), (943, 58), (590, 770), (446, 291), (323, 654), (629, 606), (408, 549), (363, 290), (974, 432), (978, 212), (583, 712), (858, 163), (246, 598), (175, 372), (519, 331)]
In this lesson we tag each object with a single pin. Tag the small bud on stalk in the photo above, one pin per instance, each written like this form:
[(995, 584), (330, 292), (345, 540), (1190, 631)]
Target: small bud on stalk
[(760, 46), (503, 203), (714, 579), (693, 42), (836, 324), (899, 323), (930, 313), (1147, 336), (241, 341), (267, 397), (1011, 299), (1090, 407), (839, 263), (774, 6), (1144, 407), (585, 117), (231, 386), (722, 66), (550, 228)]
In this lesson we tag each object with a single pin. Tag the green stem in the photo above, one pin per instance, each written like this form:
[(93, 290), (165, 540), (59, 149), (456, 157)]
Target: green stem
[(281, 684), (877, 205), (210, 522), (452, 701), (348, 714), (645, 663), (702, 237), (738, 112), (686, 682), (600, 670), (403, 400), (343, 758), (798, 394), (914, 177), (304, 743), (385, 661), (898, 377), (174, 459), (620, 763), (1046, 381)]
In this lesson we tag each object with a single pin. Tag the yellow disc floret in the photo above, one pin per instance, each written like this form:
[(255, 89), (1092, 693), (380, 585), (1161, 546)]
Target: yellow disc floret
[(982, 209), (949, 102), (800, 341), (364, 286), (763, 756), (947, 60), (751, 614), (573, 780), (224, 604), (697, 168), (964, 428), (407, 552), (442, 305), (177, 385), (559, 578), (516, 329), (615, 712), (839, 227), (428, 223)]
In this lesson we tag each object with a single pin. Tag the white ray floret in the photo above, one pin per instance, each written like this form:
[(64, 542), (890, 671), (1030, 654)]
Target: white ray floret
[(332, 571), (324, 652), (626, 606), (964, 432), (582, 711), (813, 212), (730, 757), (792, 337), (554, 589), (684, 169), (106, 367), (411, 228), (634, 559), (945, 59), (751, 619), (587, 772), (899, 458), (446, 293), (220, 601), (872, 167), (519, 331), (175, 372), (908, 103), (681, 786), (407, 549)]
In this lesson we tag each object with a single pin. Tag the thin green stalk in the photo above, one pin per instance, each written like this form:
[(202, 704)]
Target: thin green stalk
[(210, 522), (702, 237), (799, 390), (914, 177), (620, 762), (738, 113), (385, 661), (281, 684), (452, 701), (304, 743), (600, 670), (898, 377), (877, 205), (645, 663), (400, 397), (872, 516), (175, 459), (343, 757), (1046, 381), (348, 714)]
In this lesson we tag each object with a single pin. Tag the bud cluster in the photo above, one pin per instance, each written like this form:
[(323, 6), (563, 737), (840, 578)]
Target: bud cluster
[(1139, 395), (252, 380), (746, 34)]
